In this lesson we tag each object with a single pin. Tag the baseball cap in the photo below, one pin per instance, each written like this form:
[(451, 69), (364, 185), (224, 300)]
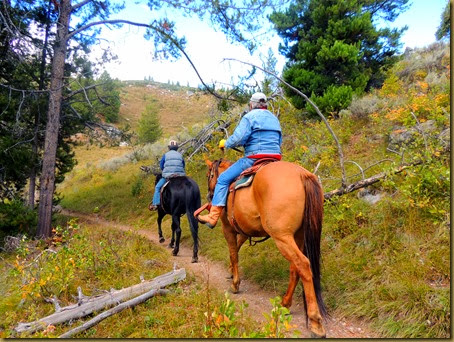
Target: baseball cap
[(173, 144), (258, 97)]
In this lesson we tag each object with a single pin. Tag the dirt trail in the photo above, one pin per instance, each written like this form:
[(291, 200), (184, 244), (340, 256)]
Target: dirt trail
[(257, 299)]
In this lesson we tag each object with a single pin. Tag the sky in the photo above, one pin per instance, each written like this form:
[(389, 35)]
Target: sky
[(207, 49)]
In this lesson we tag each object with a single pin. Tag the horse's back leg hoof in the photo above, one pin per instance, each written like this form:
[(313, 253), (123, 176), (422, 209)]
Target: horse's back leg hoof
[(234, 289), (171, 245), (314, 335), (161, 240), (175, 252), (195, 259)]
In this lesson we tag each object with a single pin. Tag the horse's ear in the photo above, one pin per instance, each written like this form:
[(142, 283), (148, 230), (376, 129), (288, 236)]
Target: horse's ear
[(208, 162)]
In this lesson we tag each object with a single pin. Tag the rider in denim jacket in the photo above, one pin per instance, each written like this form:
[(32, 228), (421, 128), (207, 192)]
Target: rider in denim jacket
[(259, 131)]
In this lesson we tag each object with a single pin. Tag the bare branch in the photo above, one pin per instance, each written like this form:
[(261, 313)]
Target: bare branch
[(420, 130), (374, 179), (128, 304), (339, 148), (359, 167), (81, 4)]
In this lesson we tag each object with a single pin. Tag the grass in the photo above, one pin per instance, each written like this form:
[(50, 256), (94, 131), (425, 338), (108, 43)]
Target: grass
[(387, 264), (177, 109), (90, 256)]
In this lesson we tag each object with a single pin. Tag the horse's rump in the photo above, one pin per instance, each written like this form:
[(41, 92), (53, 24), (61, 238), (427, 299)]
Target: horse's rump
[(181, 194), (274, 201)]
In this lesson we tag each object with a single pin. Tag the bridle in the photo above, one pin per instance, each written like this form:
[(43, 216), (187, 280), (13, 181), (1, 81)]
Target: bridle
[(213, 174)]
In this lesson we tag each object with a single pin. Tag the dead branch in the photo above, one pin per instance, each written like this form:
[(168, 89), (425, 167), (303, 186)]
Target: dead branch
[(205, 134), (374, 179), (339, 147), (128, 304), (97, 303), (368, 181)]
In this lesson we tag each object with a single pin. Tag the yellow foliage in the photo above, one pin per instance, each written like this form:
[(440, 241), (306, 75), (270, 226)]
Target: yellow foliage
[(395, 114)]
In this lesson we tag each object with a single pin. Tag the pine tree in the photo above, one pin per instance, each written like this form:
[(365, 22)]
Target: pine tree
[(149, 129), (334, 50)]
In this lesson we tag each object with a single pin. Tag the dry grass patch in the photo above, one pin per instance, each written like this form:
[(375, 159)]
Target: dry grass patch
[(176, 109)]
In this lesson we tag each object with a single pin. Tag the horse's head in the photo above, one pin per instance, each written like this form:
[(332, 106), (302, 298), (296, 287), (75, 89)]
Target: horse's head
[(215, 168)]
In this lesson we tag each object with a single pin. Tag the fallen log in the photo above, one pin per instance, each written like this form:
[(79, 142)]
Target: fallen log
[(128, 304), (97, 303)]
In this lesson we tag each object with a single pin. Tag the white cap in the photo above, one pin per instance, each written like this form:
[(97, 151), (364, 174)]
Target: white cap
[(258, 97)]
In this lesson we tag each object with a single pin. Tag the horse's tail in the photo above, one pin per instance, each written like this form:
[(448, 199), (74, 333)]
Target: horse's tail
[(312, 224)]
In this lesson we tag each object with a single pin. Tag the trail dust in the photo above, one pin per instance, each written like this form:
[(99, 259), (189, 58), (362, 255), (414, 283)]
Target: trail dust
[(216, 275)]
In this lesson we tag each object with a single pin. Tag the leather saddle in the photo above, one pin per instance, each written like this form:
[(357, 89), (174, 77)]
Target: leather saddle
[(247, 176)]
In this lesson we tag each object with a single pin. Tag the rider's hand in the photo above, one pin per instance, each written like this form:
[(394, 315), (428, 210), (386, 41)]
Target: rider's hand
[(222, 143)]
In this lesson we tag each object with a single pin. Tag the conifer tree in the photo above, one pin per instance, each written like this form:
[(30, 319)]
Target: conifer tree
[(334, 48)]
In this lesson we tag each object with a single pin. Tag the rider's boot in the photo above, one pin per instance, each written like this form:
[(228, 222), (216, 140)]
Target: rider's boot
[(212, 218), (152, 207)]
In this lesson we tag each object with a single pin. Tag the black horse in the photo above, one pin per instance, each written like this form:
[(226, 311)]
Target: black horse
[(180, 196)]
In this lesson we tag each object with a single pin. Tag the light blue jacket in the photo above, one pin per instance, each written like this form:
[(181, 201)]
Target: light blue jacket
[(259, 131), (172, 163)]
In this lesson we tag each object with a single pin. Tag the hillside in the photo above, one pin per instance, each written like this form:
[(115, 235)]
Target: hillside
[(385, 248), (177, 108)]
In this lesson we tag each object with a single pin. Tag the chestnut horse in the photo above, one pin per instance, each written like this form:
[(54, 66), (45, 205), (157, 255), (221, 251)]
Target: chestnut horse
[(284, 202)]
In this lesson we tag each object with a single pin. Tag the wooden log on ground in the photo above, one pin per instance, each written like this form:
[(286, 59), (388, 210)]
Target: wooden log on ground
[(128, 304), (97, 303)]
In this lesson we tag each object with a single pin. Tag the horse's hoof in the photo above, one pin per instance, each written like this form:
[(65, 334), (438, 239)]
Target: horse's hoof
[(194, 260), (314, 335), (171, 245), (161, 240), (174, 253), (234, 289)]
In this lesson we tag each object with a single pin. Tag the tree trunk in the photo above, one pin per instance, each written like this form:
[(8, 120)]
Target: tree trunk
[(53, 122), (35, 148)]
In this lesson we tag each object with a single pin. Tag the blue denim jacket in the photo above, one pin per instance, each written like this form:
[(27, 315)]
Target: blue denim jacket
[(259, 131)]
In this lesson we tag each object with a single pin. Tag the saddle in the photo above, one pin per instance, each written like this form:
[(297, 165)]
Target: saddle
[(247, 176)]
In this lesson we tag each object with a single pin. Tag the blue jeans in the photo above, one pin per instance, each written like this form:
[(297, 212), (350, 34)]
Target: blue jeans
[(157, 191), (222, 186)]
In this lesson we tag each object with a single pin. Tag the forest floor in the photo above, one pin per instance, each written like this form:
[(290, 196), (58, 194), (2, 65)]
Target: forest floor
[(217, 276)]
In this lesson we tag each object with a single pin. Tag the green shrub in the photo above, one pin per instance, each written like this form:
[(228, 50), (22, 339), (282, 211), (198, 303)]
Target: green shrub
[(332, 101), (16, 218), (362, 107)]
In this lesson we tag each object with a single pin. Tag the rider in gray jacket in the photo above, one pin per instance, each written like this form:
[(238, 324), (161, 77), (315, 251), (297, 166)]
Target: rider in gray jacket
[(172, 164)]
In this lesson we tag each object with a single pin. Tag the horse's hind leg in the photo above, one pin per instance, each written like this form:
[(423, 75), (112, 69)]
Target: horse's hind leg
[(293, 282), (294, 277), (161, 215), (194, 226), (176, 230), (289, 249), (240, 239), (232, 243)]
